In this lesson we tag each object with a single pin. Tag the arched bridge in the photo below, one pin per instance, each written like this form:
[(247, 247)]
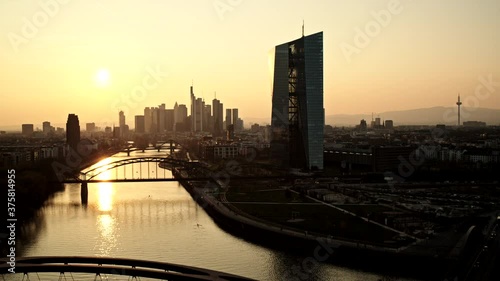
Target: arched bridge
[(164, 162), (113, 266), (158, 145)]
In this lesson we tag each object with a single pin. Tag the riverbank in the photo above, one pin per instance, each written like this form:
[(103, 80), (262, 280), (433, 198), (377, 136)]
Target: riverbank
[(319, 248)]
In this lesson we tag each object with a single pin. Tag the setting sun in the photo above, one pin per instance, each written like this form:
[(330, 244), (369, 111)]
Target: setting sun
[(102, 77)]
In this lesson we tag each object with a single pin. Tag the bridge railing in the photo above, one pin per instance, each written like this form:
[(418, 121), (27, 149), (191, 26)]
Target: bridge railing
[(115, 266)]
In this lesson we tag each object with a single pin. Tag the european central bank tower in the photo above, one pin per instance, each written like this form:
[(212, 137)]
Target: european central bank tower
[(298, 118)]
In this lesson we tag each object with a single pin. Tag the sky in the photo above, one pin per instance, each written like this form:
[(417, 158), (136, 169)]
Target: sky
[(96, 57)]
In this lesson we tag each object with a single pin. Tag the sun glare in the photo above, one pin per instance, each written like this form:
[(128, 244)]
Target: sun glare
[(102, 77)]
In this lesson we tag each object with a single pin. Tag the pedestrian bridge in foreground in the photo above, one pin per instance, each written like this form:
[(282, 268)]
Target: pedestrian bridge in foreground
[(101, 267)]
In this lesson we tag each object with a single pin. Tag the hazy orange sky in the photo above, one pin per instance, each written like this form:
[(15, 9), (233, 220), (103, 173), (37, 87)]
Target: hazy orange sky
[(418, 54)]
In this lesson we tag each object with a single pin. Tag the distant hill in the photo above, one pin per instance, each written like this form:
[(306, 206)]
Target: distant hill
[(421, 116)]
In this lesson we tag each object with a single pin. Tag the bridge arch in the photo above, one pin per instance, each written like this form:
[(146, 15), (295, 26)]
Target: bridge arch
[(166, 162), (157, 145)]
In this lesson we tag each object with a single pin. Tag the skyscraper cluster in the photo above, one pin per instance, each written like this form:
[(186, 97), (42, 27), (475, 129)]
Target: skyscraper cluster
[(209, 118), (204, 117), (159, 120)]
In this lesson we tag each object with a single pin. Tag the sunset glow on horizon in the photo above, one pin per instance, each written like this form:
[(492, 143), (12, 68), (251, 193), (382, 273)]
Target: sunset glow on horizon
[(91, 57)]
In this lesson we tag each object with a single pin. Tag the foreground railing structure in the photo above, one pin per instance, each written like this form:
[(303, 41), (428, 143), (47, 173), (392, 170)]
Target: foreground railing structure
[(114, 266)]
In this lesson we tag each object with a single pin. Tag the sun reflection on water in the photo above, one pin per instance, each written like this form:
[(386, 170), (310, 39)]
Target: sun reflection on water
[(106, 243), (105, 196), (106, 223)]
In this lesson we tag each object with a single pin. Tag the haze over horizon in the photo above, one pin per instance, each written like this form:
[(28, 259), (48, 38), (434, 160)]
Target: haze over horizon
[(92, 58)]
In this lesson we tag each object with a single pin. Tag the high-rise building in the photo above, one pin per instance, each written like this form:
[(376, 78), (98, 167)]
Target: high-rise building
[(148, 120), (161, 118), (27, 129), (207, 118), (90, 127), (229, 120), (47, 129), (182, 124), (121, 119), (169, 120), (217, 108), (235, 120), (389, 124), (193, 110), (239, 124), (139, 124), (124, 131), (73, 131), (198, 113), (176, 114), (297, 121), (154, 120)]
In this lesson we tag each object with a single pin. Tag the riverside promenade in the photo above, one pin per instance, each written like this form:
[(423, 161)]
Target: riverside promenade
[(210, 197)]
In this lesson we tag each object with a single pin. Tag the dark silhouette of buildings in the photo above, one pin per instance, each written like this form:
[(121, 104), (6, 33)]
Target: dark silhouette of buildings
[(474, 124), (297, 106), (235, 119), (123, 126), (389, 124), (362, 125), (73, 131), (47, 128), (182, 124), (218, 109), (90, 127), (27, 129), (229, 120), (139, 124)]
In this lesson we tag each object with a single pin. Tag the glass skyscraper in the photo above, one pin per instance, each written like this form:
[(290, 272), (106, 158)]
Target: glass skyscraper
[(298, 119)]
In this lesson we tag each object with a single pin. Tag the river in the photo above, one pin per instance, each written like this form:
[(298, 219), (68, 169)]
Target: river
[(158, 221)]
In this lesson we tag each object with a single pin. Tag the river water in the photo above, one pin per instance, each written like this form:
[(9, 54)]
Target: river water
[(158, 221)]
